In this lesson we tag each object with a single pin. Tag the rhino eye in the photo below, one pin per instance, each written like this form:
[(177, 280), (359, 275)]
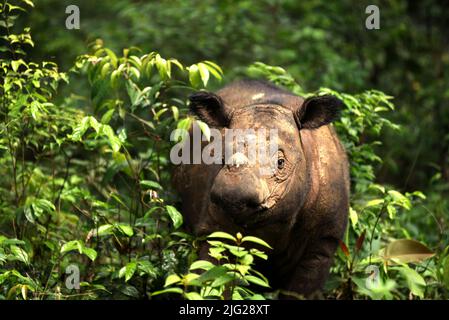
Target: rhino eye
[(281, 164)]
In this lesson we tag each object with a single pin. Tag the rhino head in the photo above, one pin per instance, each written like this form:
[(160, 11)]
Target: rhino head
[(242, 192)]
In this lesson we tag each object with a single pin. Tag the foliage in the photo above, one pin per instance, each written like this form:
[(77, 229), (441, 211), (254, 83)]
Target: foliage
[(84, 154), (87, 182), (228, 278)]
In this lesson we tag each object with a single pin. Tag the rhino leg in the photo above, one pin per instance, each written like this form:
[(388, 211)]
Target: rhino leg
[(312, 271)]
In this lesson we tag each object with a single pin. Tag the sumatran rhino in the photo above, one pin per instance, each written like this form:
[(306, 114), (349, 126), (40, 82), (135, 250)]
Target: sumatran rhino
[(300, 209)]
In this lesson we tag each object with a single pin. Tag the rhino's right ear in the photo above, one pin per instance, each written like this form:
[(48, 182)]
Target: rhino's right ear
[(318, 111), (209, 107)]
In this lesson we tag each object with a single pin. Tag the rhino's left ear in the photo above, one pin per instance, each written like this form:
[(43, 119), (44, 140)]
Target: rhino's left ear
[(210, 108), (318, 111)]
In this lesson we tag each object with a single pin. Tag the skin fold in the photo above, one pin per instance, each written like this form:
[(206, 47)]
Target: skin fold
[(301, 209)]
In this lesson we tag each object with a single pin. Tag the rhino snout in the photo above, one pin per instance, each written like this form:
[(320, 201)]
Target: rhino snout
[(239, 192)]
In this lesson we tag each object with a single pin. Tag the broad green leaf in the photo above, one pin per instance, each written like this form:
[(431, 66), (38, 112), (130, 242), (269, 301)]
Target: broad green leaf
[(15, 64), (374, 202), (175, 216), (131, 291), (189, 278), (80, 247), (20, 254), (201, 264), (247, 259), (151, 184), (222, 280), (105, 229), (107, 116), (126, 229), (130, 269), (415, 281), (69, 246), (256, 240), (172, 279), (222, 235), (400, 199), (194, 76), (193, 296), (211, 274), (90, 253), (257, 281)]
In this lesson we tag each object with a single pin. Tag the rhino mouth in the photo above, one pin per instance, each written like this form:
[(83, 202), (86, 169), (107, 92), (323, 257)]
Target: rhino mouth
[(251, 218)]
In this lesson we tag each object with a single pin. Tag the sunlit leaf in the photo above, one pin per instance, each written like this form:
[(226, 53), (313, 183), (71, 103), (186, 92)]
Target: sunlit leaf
[(175, 216), (406, 251)]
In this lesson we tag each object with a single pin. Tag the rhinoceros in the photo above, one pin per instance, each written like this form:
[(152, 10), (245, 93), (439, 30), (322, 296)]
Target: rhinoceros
[(300, 209)]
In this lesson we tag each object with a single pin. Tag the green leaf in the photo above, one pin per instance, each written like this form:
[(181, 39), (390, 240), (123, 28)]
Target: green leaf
[(222, 280), (400, 199), (193, 296), (15, 64), (183, 126), (239, 252), (194, 76), (175, 112), (29, 2), (353, 216), (151, 184), (415, 281), (374, 202), (126, 229), (257, 281), (258, 253), (130, 291), (256, 240), (172, 279), (105, 229), (204, 73), (201, 264), (446, 272), (90, 253), (175, 216), (204, 129), (391, 211), (222, 235), (71, 245), (214, 69), (80, 247), (168, 290), (20, 254), (130, 269), (211, 274), (247, 259), (107, 116)]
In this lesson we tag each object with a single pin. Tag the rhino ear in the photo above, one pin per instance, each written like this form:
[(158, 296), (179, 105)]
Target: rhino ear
[(209, 107), (318, 111)]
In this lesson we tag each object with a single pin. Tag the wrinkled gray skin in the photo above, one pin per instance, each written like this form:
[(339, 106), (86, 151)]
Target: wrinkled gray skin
[(301, 210)]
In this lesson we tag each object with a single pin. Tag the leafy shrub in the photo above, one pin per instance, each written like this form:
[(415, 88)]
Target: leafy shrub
[(229, 278)]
